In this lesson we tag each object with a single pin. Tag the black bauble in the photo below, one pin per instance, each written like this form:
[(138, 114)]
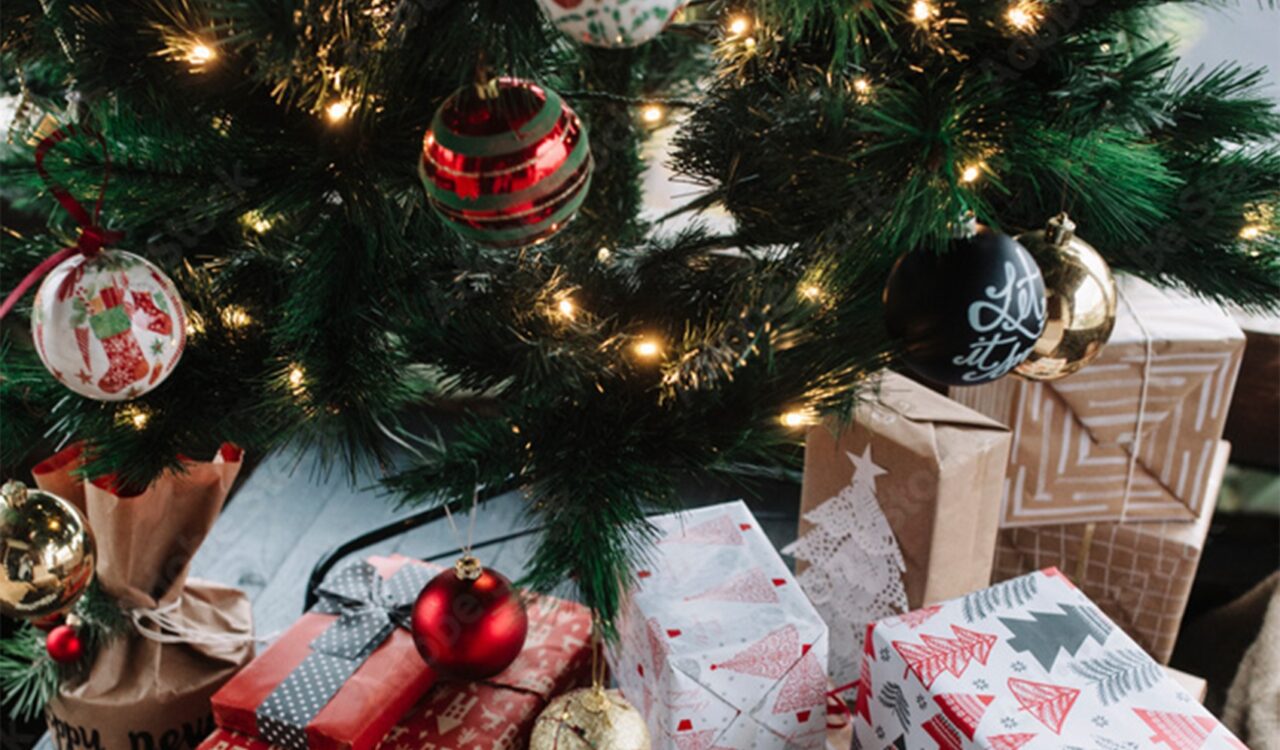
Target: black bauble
[(969, 315)]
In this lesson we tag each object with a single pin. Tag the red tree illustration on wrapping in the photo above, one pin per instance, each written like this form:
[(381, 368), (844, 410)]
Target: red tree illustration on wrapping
[(769, 657), (917, 617), (939, 654), (1010, 741), (862, 702), (719, 530), (1048, 703), (802, 690), (753, 587), (943, 733), (965, 711), (1178, 731)]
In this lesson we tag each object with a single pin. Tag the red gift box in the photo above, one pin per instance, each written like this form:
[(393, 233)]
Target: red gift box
[(500, 712), (497, 713), (367, 705)]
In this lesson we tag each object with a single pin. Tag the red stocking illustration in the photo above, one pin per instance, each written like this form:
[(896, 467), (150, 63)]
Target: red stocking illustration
[(158, 321), (126, 364)]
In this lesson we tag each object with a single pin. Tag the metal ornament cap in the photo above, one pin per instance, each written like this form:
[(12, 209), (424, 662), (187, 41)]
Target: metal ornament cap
[(1081, 299)]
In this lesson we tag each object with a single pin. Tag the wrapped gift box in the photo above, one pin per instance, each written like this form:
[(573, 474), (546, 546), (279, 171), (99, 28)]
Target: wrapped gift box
[(334, 680), (1030, 663), (898, 510), (1140, 573), (497, 713), (1131, 436), (718, 645)]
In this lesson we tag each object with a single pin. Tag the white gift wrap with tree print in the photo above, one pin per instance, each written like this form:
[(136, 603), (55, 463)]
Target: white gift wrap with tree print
[(611, 23), (719, 648), (1027, 664)]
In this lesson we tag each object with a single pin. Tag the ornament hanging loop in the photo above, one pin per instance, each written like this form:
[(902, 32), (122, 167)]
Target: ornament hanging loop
[(1060, 230), (92, 236)]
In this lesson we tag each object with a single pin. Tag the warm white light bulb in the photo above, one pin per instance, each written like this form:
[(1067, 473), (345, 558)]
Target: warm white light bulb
[(811, 291), (566, 307), (652, 114), (739, 25), (797, 418), (921, 11), (647, 349), (862, 86), (338, 110), (236, 317), (970, 173), (1023, 16), (1250, 232), (200, 53)]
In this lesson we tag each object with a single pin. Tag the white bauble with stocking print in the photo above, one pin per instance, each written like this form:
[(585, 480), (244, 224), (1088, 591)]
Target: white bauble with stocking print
[(109, 326)]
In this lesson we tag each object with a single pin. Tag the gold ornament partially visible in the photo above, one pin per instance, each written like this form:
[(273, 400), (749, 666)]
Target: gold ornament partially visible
[(590, 719), (46, 553), (1081, 301)]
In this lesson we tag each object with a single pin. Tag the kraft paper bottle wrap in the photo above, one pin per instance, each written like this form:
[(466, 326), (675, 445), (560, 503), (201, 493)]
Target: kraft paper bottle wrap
[(141, 694), (1130, 437), (1138, 573), (943, 469)]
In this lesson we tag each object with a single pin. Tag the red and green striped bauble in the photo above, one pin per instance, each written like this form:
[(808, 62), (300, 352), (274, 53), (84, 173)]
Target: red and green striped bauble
[(506, 164)]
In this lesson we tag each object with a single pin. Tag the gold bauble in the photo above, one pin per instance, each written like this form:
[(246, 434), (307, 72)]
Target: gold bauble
[(1080, 296), (590, 719), (46, 553)]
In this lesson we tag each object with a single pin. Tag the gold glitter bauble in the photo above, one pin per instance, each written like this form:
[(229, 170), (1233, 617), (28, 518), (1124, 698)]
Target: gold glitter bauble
[(46, 552), (590, 719), (1081, 301)]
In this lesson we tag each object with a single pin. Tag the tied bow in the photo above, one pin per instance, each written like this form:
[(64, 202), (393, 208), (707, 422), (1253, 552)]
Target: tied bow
[(92, 236), (369, 609)]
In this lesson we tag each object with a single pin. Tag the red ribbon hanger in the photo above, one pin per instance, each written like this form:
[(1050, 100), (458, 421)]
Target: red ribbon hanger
[(92, 236)]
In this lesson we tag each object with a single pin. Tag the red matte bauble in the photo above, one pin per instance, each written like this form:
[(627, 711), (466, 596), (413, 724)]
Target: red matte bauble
[(469, 629), (64, 645)]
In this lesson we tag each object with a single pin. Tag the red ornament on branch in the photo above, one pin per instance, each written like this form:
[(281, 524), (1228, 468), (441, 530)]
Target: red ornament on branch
[(64, 645), (469, 622)]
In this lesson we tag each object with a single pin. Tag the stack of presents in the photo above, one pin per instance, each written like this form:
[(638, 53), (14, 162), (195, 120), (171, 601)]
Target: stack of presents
[(1005, 568)]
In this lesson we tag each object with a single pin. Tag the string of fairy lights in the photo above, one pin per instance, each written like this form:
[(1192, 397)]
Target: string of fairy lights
[(738, 36)]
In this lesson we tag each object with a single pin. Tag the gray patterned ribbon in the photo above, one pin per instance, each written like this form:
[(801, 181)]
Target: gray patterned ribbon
[(369, 609)]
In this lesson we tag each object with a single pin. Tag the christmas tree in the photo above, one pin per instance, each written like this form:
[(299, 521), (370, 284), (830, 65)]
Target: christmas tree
[(265, 156)]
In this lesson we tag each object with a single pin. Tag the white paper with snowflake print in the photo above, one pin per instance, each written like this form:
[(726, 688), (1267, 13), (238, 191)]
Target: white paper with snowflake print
[(718, 646), (854, 573), (1027, 664)]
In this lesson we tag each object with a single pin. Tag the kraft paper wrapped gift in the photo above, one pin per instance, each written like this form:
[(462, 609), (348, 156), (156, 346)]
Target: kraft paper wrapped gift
[(898, 509), (718, 646), (1028, 664), (495, 714), (1131, 436), (1139, 573), (149, 688), (344, 672)]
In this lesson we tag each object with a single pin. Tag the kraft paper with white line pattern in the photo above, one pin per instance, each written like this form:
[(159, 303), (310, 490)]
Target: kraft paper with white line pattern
[(1158, 392)]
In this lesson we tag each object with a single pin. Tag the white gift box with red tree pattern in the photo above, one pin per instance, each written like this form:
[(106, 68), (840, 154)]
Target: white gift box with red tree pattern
[(719, 648), (1029, 664)]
